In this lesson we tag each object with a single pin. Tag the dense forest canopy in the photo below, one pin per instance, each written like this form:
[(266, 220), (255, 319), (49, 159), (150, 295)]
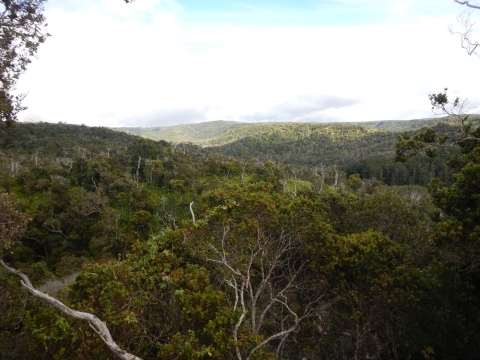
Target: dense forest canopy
[(279, 261), (364, 148)]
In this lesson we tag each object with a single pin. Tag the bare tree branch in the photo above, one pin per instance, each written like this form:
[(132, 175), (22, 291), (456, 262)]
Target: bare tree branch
[(467, 3), (95, 323), (191, 212), (465, 34), (265, 279)]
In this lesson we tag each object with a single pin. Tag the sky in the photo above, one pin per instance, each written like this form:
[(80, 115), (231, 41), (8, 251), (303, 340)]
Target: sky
[(166, 62)]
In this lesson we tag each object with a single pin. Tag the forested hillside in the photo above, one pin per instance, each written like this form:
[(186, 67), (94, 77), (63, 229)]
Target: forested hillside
[(365, 148), (201, 133), (221, 132), (190, 255), (415, 125), (305, 144)]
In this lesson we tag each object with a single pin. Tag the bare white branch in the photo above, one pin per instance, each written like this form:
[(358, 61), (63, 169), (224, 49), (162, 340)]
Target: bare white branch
[(465, 33), (265, 279), (95, 323), (191, 212)]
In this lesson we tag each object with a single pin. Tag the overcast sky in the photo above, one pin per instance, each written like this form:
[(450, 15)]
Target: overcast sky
[(166, 62)]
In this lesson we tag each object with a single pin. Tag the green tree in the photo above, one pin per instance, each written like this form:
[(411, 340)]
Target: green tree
[(459, 227), (453, 274), (154, 171), (460, 202), (428, 141), (159, 305), (371, 287), (256, 238), (13, 223), (22, 30)]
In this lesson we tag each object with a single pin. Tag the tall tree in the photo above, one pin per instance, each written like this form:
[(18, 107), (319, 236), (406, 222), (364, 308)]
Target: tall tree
[(22, 30)]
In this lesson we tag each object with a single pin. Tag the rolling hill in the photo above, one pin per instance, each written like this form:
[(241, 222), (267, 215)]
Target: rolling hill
[(305, 144)]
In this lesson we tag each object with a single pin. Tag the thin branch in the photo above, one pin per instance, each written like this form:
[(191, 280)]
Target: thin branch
[(239, 322), (95, 323), (52, 227), (455, 143), (466, 42), (287, 332)]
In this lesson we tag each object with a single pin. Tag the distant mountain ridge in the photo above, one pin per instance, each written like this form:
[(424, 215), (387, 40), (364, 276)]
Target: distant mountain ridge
[(305, 144), (221, 132), (199, 133), (364, 148)]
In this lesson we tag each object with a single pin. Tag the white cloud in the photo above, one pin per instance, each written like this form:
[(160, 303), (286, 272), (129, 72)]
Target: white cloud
[(111, 64)]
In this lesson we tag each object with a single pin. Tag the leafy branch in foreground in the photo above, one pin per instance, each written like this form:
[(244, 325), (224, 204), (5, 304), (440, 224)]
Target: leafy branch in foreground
[(95, 323), (428, 141)]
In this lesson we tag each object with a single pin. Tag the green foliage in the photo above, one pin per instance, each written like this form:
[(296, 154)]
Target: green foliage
[(420, 143), (372, 270), (159, 305), (185, 133), (354, 182), (293, 143), (427, 141), (304, 144), (143, 148), (13, 222), (459, 228), (23, 30), (419, 170), (372, 287)]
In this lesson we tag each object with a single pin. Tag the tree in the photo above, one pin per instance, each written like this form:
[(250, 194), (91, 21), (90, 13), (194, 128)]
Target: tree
[(371, 286), (428, 141), (264, 281), (13, 222), (459, 202), (455, 242), (22, 30), (156, 305), (161, 306), (458, 230), (258, 239)]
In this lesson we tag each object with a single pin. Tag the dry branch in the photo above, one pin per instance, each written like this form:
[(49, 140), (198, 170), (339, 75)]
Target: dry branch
[(95, 323), (263, 277), (467, 3)]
